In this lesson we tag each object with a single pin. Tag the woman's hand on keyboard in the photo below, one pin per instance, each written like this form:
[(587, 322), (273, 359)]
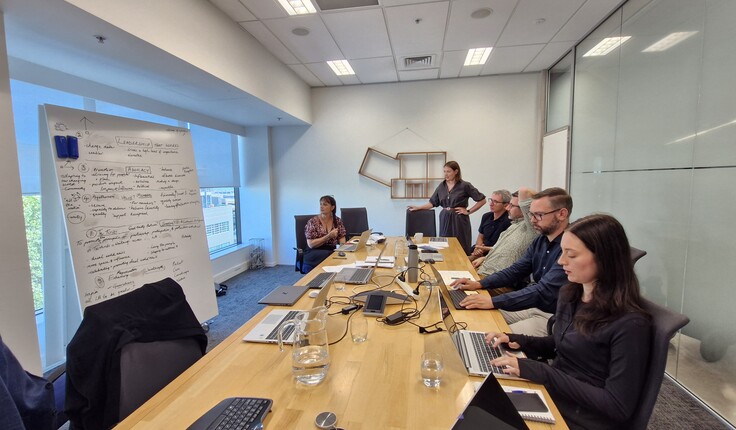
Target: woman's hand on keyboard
[(496, 339), (508, 363)]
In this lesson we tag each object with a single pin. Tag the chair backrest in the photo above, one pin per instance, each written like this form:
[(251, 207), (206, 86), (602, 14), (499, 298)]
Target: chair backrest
[(300, 222), (147, 367), (636, 254), (665, 323), (422, 221), (355, 220)]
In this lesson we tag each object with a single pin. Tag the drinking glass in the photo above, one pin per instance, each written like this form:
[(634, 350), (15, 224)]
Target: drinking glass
[(339, 286), (401, 251), (431, 369), (359, 328)]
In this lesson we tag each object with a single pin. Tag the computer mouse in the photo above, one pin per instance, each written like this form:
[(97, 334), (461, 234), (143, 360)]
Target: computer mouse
[(341, 253), (313, 294)]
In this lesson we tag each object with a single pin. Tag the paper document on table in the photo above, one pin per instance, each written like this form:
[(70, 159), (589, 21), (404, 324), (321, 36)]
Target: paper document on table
[(450, 276), (336, 269)]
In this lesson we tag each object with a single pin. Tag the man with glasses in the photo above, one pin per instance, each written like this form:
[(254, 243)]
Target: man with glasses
[(492, 224), (513, 242), (528, 309)]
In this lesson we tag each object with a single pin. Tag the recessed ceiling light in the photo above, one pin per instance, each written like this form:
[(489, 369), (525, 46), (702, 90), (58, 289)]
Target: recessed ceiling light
[(477, 56), (300, 31), (606, 45), (482, 13), (341, 67), (298, 7), (539, 21), (669, 41)]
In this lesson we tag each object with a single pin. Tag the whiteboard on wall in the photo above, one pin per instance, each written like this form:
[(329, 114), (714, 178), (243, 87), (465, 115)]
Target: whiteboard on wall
[(132, 207), (555, 168)]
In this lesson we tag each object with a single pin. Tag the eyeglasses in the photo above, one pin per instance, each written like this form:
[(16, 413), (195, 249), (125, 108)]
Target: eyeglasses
[(496, 202), (514, 206), (539, 215)]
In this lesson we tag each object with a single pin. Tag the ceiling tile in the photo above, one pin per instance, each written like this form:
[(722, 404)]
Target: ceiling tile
[(359, 34), (512, 59), (416, 75), (452, 64), (387, 3), (592, 12), (234, 9), (349, 80), (265, 9), (522, 28), (374, 70), (317, 46), (409, 37), (306, 75), (549, 55), (271, 42), (465, 32), (323, 72)]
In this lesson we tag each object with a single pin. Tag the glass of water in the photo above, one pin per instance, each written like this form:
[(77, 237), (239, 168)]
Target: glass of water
[(431, 369), (359, 328), (339, 286), (401, 251)]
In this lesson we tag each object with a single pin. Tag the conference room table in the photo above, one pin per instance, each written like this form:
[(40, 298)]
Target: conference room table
[(375, 384)]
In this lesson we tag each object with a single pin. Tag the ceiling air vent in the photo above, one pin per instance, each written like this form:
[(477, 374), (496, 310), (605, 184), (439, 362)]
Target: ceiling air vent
[(419, 62)]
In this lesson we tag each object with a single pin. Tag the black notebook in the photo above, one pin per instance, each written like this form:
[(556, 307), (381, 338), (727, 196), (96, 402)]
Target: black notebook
[(530, 403)]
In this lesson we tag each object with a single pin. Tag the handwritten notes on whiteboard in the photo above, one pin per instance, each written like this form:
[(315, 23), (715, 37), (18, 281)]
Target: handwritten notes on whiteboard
[(132, 206)]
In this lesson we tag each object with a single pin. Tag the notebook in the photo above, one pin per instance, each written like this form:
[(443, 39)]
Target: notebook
[(285, 295), (490, 408), (352, 247), (456, 296), (266, 331), (530, 403), (475, 353)]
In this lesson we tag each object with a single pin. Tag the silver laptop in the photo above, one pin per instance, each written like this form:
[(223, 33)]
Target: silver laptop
[(352, 247), (456, 296), (266, 331), (358, 275), (285, 295), (475, 353)]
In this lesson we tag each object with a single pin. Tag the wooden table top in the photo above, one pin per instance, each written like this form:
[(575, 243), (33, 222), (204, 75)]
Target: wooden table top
[(371, 385)]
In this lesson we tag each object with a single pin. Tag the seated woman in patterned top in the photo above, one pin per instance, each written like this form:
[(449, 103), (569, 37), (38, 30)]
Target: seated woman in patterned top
[(324, 232)]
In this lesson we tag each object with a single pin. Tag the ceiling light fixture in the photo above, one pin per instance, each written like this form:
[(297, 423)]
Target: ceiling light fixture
[(341, 67), (298, 7), (482, 13), (606, 45), (669, 41), (477, 56)]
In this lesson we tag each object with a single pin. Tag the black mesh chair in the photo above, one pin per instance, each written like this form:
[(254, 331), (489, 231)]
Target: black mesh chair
[(355, 220), (300, 221), (665, 323), (421, 221)]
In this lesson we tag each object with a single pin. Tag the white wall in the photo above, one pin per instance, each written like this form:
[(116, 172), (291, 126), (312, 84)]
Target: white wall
[(490, 125), (17, 321)]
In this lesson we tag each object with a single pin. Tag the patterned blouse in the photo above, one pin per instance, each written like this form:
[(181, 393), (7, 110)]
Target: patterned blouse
[(314, 230)]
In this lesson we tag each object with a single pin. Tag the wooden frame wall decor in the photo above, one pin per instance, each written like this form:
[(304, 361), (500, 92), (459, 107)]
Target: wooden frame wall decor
[(419, 172)]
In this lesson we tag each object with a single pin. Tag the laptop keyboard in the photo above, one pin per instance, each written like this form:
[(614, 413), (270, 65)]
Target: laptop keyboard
[(275, 332), (485, 353), (318, 280), (243, 413), (457, 296), (360, 276)]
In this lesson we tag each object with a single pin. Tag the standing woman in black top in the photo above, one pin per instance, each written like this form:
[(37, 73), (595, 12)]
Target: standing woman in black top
[(600, 342), (453, 194)]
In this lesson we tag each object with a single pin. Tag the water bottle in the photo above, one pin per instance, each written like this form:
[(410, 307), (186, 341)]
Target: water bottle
[(413, 264)]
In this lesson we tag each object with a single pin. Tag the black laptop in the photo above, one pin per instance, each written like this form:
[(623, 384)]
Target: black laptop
[(490, 408)]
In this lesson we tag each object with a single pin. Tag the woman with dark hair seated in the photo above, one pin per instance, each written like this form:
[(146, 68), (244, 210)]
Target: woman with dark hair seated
[(324, 232), (600, 342)]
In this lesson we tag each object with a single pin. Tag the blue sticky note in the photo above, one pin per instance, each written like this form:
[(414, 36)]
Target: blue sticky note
[(73, 147), (62, 150)]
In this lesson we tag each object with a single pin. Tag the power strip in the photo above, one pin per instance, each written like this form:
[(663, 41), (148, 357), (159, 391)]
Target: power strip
[(407, 289)]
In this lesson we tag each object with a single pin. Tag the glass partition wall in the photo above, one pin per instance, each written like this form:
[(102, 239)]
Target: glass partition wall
[(654, 143)]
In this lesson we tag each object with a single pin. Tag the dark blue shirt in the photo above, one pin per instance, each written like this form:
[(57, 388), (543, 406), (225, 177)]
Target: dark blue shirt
[(539, 261), (491, 228)]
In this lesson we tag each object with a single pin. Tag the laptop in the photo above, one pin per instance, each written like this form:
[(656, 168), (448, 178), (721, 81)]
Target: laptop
[(475, 353), (456, 296), (490, 408), (285, 295), (358, 275), (352, 247), (266, 331)]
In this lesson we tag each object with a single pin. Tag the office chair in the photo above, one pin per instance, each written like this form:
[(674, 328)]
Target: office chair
[(300, 221), (355, 220), (636, 254), (422, 221), (665, 323), (126, 349)]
